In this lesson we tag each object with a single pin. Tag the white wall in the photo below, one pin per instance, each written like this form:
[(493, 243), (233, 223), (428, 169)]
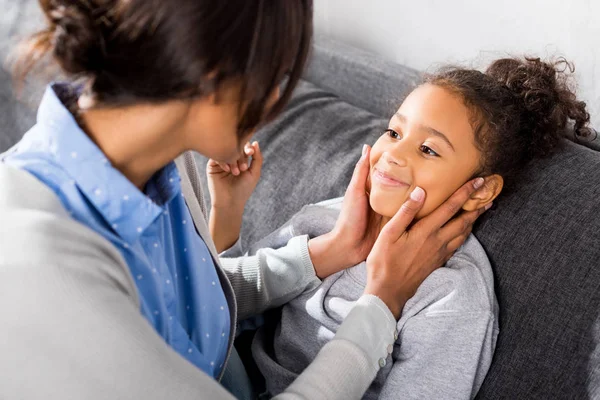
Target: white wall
[(424, 34)]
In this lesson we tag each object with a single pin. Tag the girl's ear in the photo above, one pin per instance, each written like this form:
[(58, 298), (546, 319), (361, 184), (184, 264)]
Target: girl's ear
[(486, 194)]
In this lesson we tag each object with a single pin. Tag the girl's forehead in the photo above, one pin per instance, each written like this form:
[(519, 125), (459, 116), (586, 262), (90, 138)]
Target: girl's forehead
[(437, 110)]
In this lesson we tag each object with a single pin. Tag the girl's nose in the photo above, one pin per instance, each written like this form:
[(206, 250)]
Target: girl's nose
[(395, 158)]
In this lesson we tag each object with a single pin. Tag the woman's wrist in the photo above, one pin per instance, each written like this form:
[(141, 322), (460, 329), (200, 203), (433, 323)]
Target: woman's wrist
[(328, 255), (389, 296)]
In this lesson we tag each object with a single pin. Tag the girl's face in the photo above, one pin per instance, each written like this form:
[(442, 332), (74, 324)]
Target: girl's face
[(430, 144)]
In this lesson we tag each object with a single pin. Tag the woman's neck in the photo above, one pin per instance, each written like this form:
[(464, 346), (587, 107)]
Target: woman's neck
[(138, 140)]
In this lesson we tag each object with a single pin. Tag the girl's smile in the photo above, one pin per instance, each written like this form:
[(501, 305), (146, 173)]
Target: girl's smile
[(383, 178)]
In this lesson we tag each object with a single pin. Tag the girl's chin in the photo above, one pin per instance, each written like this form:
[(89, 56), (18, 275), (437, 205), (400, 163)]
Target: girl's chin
[(383, 205)]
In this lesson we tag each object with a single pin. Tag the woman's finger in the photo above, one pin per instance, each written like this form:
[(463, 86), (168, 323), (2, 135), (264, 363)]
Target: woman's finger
[(462, 223), (257, 159), (458, 241), (450, 207), (456, 227), (361, 172), (405, 215)]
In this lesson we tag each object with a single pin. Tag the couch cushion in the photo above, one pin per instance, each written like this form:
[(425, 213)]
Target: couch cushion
[(544, 244)]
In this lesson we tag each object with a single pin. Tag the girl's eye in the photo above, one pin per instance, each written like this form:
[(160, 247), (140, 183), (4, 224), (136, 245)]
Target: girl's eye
[(393, 134), (429, 151)]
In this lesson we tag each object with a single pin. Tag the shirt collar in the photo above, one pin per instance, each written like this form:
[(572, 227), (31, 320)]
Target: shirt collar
[(127, 210)]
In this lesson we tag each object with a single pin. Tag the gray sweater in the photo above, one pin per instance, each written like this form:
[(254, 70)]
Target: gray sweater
[(447, 330), (71, 322)]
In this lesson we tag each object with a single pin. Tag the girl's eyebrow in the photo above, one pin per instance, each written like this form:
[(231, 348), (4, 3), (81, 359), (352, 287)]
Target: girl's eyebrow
[(429, 129)]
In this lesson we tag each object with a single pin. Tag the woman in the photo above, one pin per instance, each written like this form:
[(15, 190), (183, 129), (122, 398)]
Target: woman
[(103, 224)]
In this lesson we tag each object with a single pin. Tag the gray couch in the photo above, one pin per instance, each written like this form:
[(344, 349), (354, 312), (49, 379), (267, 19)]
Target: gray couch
[(543, 240)]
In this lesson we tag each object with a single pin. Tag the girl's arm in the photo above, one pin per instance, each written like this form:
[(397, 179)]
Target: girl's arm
[(271, 277)]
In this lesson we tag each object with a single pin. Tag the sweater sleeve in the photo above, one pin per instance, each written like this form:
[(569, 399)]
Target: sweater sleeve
[(346, 366), (444, 356), (271, 277)]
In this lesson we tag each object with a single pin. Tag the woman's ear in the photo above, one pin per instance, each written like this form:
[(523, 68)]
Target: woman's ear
[(486, 194)]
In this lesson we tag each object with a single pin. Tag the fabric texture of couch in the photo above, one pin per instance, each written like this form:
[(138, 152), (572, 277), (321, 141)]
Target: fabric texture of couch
[(543, 240)]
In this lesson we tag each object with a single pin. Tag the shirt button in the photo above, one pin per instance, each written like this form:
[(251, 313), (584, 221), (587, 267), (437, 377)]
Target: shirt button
[(390, 348), (382, 362), (396, 334)]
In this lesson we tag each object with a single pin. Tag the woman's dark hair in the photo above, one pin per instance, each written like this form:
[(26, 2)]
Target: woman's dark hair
[(131, 51), (520, 109)]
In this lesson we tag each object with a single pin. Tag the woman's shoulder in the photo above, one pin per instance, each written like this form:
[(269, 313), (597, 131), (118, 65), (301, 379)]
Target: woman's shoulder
[(465, 285), (37, 231), (27, 157), (23, 190)]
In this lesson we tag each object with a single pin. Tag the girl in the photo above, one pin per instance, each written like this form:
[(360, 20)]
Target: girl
[(110, 285), (457, 125)]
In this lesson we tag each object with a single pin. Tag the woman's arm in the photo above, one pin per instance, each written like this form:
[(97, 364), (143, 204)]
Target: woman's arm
[(346, 366)]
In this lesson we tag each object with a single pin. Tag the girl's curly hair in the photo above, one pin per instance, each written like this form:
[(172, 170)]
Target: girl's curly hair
[(520, 109)]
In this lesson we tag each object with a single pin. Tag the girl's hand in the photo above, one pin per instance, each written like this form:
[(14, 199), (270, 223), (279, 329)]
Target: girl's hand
[(355, 231), (230, 187), (402, 258)]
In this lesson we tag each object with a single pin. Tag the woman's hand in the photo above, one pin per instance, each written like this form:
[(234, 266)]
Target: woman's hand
[(402, 258), (230, 187), (355, 231)]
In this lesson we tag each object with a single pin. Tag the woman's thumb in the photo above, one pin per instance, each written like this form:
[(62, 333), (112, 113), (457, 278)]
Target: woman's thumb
[(404, 216), (361, 170)]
